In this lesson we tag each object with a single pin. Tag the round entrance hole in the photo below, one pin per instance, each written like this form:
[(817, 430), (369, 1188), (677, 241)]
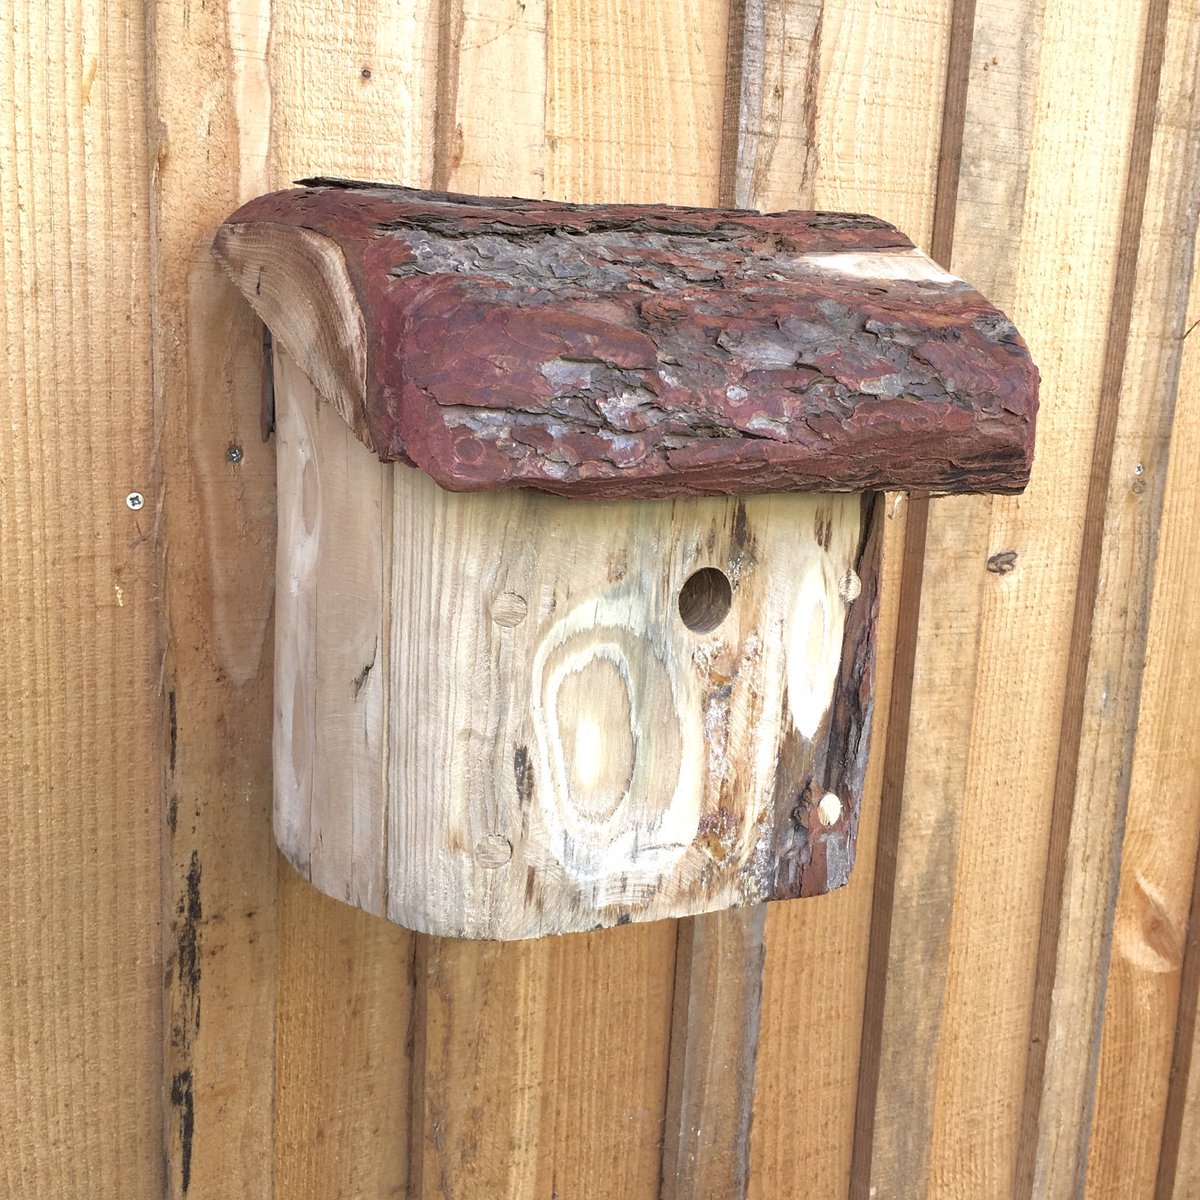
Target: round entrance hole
[(705, 599)]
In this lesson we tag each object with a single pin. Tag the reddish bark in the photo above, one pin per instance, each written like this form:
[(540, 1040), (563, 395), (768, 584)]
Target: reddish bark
[(619, 350)]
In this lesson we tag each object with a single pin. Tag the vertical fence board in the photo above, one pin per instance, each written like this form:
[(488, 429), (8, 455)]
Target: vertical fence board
[(811, 134), (714, 1044), (353, 90), (1179, 1161), (1062, 299), (1147, 746), (540, 1068), (218, 545), (1173, 772), (80, 1000), (342, 1027), (968, 1152), (634, 100)]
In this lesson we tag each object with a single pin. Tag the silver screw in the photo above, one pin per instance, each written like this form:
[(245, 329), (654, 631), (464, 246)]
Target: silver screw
[(135, 500), (234, 454)]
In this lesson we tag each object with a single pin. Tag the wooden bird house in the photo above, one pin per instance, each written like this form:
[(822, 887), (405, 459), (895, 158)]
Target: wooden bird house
[(579, 539)]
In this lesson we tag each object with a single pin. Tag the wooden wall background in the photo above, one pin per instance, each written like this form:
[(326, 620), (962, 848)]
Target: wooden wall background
[(1002, 1002)]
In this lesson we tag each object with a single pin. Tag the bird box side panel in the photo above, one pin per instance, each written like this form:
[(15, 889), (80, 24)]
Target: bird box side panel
[(331, 646)]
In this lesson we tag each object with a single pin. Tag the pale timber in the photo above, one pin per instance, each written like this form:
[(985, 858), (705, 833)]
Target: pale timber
[(491, 717)]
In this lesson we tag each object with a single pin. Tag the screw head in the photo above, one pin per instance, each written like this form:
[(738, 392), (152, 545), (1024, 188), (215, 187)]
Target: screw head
[(234, 454), (135, 500)]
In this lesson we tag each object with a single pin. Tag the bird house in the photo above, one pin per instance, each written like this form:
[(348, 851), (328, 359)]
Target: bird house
[(579, 539)]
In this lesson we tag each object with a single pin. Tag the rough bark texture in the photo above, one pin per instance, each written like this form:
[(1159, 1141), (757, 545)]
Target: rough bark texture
[(615, 351)]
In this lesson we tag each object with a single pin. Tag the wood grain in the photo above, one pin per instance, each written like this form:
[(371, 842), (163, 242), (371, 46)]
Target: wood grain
[(769, 151), (525, 1091), (80, 960), (817, 954), (714, 1041), (217, 539), (352, 93), (466, 683), (1108, 635), (606, 72), (1172, 769), (634, 97), (342, 1030), (1138, 739)]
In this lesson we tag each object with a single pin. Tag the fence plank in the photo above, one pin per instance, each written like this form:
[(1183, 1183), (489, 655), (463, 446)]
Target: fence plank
[(352, 96), (714, 1041), (1146, 744), (951, 1085), (979, 228), (342, 1025), (540, 1067), (218, 549), (812, 135), (1173, 668), (80, 963)]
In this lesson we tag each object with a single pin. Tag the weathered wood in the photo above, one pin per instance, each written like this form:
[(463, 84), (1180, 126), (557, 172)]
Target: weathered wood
[(620, 351), (539, 96), (80, 858), (506, 714), (817, 954), (714, 1041), (1146, 650), (1119, 541)]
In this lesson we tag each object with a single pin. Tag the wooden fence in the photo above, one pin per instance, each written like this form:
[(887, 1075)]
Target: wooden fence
[(1003, 1000)]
